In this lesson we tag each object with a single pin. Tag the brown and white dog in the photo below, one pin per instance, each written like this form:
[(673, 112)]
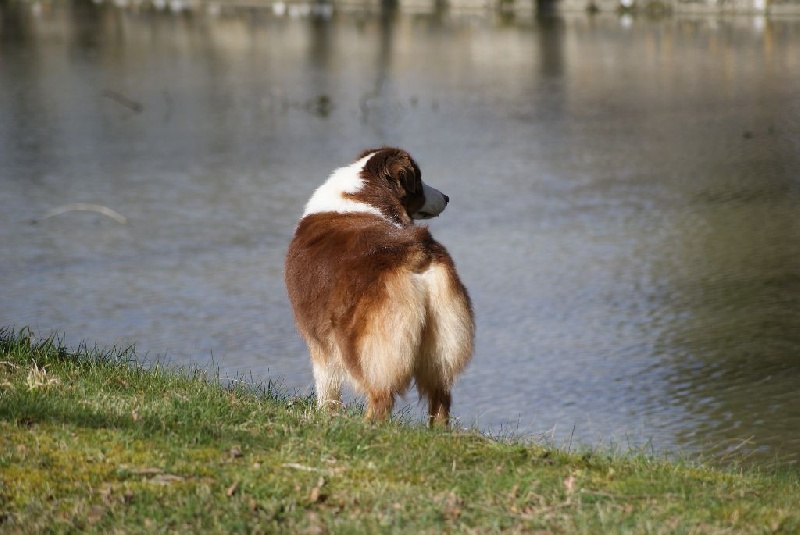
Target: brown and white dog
[(376, 298)]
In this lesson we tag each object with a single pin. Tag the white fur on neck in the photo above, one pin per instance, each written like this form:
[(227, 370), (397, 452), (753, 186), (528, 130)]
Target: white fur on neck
[(329, 197)]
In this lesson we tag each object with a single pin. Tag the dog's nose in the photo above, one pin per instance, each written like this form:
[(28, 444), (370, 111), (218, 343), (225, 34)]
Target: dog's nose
[(446, 198)]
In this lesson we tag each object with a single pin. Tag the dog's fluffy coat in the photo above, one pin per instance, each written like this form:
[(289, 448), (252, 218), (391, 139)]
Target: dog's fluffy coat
[(376, 298)]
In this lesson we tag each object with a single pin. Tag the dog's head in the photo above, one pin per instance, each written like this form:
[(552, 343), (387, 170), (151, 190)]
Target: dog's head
[(385, 182), (392, 174)]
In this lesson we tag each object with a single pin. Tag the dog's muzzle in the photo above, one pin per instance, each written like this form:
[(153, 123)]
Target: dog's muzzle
[(435, 203)]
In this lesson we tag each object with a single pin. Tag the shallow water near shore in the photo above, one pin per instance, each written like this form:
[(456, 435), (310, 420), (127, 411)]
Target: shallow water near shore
[(625, 200)]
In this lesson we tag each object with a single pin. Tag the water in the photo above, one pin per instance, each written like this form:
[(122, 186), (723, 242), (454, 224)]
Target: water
[(625, 200)]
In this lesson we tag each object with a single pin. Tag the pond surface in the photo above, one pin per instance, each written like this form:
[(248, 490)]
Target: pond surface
[(625, 201)]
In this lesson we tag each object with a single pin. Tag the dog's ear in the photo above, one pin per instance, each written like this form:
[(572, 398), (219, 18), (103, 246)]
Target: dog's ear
[(403, 169), (395, 166)]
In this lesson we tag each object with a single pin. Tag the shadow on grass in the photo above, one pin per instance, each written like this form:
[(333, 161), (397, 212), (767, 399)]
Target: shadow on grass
[(43, 382)]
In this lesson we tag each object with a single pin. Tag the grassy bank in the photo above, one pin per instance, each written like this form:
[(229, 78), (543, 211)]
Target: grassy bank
[(92, 441)]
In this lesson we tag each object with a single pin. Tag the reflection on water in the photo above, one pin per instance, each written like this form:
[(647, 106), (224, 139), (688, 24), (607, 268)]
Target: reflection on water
[(625, 200)]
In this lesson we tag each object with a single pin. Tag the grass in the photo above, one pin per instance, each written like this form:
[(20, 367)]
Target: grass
[(92, 441)]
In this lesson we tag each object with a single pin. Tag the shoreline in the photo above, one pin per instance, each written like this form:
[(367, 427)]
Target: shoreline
[(92, 440)]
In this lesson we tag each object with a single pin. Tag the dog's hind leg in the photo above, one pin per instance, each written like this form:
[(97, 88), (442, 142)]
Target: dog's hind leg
[(328, 377), (379, 406), (432, 387), (439, 407), (447, 341)]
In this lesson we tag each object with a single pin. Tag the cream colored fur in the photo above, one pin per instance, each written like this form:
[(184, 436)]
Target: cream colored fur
[(389, 347), (329, 372), (448, 330), (424, 331)]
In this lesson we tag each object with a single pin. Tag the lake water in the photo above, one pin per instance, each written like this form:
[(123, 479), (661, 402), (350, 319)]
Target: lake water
[(625, 200)]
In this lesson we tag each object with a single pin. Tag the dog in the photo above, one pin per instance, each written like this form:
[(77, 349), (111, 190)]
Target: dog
[(376, 298)]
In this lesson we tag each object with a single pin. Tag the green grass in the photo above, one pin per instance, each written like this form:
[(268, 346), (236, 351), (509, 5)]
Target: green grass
[(92, 441)]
